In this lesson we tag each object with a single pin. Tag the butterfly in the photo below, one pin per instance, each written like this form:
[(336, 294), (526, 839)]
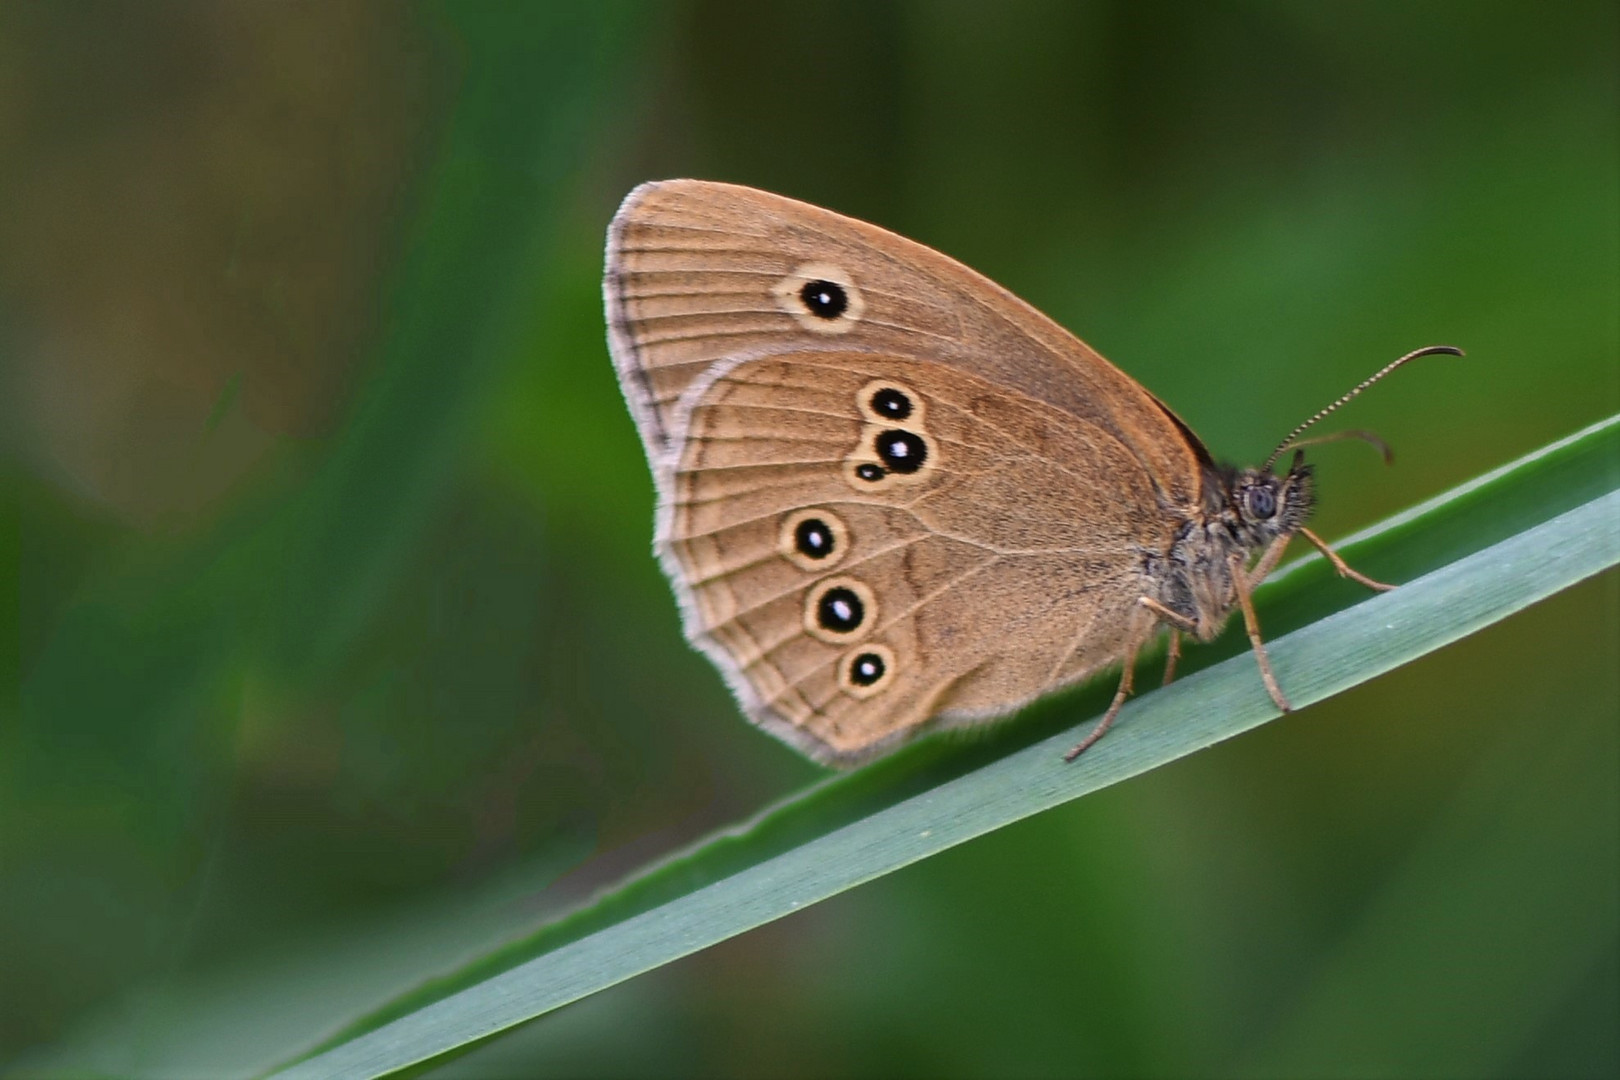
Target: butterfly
[(892, 496)]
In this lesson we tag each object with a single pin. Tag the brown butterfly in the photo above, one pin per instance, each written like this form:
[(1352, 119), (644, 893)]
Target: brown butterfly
[(892, 496)]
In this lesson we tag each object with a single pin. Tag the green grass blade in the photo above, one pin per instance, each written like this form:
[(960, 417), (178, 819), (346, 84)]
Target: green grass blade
[(1469, 558)]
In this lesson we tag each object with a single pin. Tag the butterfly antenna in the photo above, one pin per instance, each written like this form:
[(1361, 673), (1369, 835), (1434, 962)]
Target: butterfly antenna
[(1427, 350)]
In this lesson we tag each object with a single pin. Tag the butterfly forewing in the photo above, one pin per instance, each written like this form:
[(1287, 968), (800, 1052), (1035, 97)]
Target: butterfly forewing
[(699, 272)]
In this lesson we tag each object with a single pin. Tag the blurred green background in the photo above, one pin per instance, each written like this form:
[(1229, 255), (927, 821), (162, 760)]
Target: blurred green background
[(335, 648)]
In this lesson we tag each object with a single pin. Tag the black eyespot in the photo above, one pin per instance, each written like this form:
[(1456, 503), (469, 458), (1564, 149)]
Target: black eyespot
[(902, 451), (1262, 503), (869, 472), (891, 403), (813, 538), (866, 669), (824, 299), (840, 610)]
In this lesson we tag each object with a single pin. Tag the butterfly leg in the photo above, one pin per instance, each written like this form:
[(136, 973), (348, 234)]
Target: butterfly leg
[(1107, 721), (1178, 622), (1252, 623), (1341, 566), (1268, 562), (1174, 618), (1172, 654)]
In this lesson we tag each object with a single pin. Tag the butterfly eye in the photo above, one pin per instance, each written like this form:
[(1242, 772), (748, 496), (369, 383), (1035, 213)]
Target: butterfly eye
[(1261, 501), (824, 299)]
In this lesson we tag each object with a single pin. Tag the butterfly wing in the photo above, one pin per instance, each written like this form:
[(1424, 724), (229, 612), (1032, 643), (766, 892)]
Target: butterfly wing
[(856, 567), (847, 611), (700, 271)]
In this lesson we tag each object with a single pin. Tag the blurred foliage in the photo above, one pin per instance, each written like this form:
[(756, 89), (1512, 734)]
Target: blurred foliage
[(333, 600)]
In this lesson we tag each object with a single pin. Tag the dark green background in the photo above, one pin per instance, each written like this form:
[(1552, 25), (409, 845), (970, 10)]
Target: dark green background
[(334, 618)]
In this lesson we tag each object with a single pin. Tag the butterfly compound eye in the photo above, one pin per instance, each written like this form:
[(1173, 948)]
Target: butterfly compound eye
[(824, 299), (1261, 502)]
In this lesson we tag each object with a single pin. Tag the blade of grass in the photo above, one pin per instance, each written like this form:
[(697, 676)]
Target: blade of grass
[(1480, 553), (1501, 503)]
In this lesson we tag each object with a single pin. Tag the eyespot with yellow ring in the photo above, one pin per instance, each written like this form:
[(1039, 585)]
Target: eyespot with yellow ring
[(866, 670), (884, 401), (840, 610), (821, 297), (815, 539), (888, 455)]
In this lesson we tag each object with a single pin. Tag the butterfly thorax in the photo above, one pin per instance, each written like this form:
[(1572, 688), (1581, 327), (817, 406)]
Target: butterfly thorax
[(1242, 512)]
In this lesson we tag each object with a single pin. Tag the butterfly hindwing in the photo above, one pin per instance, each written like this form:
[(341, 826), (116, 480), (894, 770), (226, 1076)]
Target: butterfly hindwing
[(847, 609)]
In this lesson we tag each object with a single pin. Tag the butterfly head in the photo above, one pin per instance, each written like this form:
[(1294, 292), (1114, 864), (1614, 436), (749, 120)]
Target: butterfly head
[(1266, 505)]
